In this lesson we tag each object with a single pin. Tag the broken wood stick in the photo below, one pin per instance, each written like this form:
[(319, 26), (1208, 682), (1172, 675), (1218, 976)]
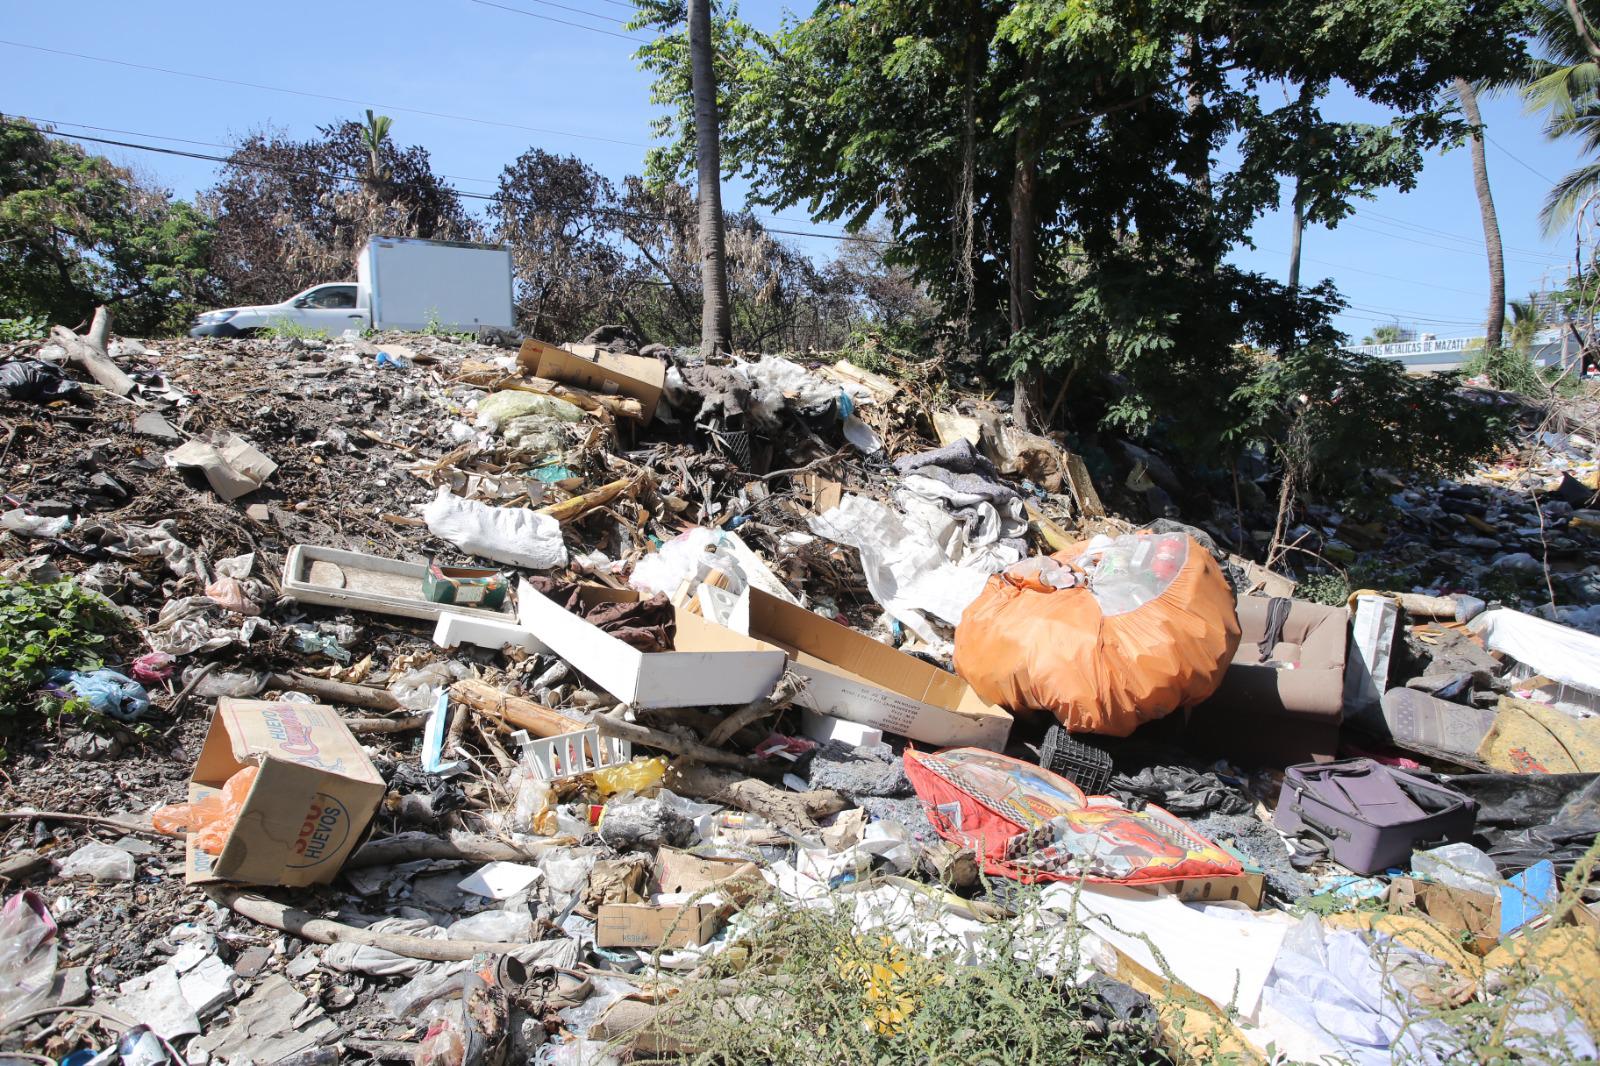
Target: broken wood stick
[(613, 725), (89, 352), (795, 811), (783, 694), (306, 926), (83, 819), (539, 720), (375, 699), (386, 725), (567, 510), (23, 865), (408, 847), (1056, 538)]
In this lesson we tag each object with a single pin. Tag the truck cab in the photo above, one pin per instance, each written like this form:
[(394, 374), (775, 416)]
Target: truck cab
[(331, 308)]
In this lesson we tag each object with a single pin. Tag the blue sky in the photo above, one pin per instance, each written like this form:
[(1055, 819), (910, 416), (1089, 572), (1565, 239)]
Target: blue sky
[(497, 82)]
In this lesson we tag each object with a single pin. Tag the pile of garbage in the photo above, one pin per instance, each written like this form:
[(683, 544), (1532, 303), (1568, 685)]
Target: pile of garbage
[(409, 698)]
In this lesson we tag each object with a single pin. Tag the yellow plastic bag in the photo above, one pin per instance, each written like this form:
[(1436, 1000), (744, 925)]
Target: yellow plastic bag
[(638, 777)]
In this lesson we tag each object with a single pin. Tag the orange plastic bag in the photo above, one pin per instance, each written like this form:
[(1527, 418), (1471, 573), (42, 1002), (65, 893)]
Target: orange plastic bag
[(1144, 625), (212, 818)]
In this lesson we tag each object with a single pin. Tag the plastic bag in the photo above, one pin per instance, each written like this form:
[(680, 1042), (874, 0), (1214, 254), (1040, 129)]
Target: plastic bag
[(27, 954), (498, 408), (513, 535), (1154, 631), (1459, 866), (102, 862), (153, 667), (106, 691), (638, 776), (211, 819), (29, 379), (500, 927)]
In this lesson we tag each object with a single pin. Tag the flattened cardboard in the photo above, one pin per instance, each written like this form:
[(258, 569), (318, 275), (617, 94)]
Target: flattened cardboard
[(598, 371), (679, 871), (310, 804), (1247, 888), (233, 466), (709, 666), (647, 925), (851, 676)]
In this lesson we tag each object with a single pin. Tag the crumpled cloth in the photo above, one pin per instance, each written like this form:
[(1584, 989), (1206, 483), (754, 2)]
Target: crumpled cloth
[(956, 492), (1179, 790), (158, 541), (377, 962), (198, 623)]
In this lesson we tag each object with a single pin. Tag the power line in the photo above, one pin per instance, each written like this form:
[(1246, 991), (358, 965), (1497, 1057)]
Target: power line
[(324, 96), (1539, 252), (1438, 247), (456, 177), (564, 22), (360, 180), (575, 11), (1374, 273), (1517, 159), (1471, 245)]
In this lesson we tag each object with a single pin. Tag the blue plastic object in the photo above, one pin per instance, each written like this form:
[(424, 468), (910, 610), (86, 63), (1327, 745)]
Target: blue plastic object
[(107, 692), (1526, 896)]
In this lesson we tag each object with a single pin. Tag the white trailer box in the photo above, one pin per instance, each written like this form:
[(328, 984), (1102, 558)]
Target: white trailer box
[(411, 283)]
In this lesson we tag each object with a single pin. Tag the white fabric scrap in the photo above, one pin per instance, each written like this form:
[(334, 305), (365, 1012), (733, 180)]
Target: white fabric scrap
[(513, 535)]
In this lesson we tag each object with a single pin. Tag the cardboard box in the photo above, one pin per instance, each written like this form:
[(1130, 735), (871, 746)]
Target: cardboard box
[(648, 925), (1474, 916), (309, 806), (851, 676), (598, 371), (709, 665)]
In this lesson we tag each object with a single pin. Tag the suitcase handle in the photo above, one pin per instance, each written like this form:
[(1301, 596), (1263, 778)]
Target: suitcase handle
[(1322, 830)]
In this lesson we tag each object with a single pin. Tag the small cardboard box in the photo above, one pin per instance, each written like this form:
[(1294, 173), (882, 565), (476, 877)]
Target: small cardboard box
[(310, 804), (851, 676), (709, 666), (1474, 916), (649, 925), (598, 371)]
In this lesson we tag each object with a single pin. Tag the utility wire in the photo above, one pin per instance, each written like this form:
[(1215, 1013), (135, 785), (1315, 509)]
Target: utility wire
[(362, 180), (564, 22), (1517, 159), (577, 11), (324, 96), (1368, 213)]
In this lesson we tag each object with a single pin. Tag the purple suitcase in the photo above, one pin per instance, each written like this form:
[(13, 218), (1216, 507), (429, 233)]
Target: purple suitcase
[(1370, 816)]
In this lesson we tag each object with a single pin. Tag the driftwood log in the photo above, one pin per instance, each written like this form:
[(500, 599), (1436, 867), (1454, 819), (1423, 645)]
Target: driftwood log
[(486, 700), (375, 699), (89, 352), (796, 811)]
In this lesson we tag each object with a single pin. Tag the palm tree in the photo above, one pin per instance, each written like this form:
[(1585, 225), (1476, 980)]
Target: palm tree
[(1566, 86), (1467, 93), (1526, 322), (1384, 335), (374, 135), (715, 327)]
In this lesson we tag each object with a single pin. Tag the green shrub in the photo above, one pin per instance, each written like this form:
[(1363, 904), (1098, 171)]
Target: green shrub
[(46, 625), (23, 328)]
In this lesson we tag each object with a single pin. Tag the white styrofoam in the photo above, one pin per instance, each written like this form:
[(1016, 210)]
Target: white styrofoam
[(825, 727), (454, 630)]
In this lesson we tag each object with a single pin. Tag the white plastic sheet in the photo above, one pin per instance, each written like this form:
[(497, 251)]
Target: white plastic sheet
[(906, 570), (513, 535), (1558, 652)]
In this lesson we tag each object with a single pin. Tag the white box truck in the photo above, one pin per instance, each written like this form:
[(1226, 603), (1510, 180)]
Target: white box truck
[(401, 283)]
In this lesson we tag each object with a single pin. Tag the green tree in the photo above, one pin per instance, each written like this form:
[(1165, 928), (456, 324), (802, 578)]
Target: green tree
[(1384, 335), (1565, 85), (76, 230), (1526, 322)]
